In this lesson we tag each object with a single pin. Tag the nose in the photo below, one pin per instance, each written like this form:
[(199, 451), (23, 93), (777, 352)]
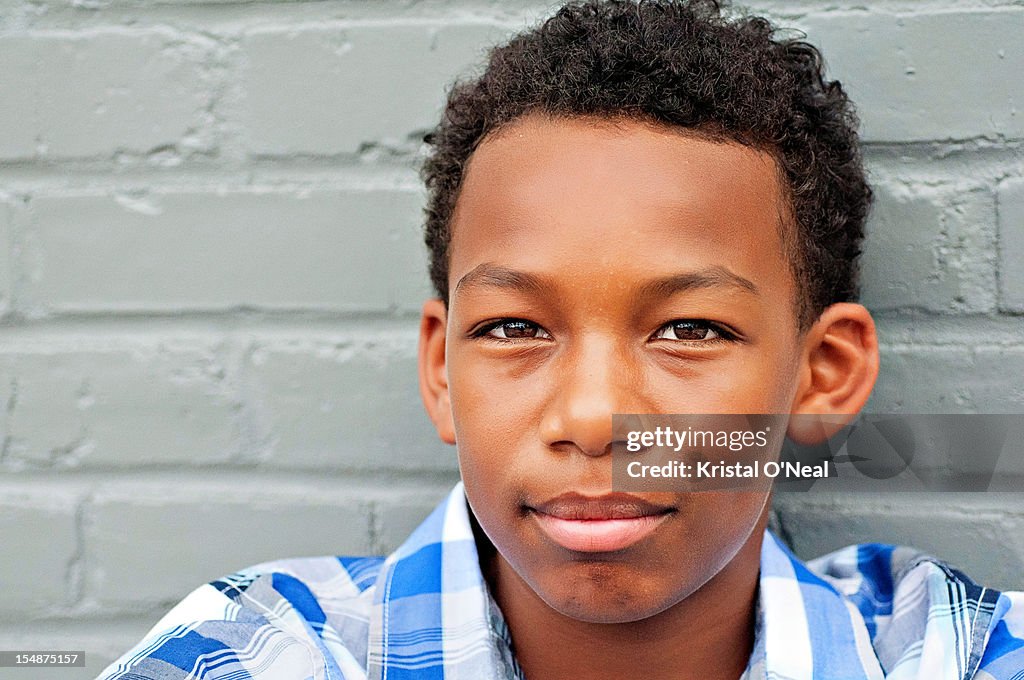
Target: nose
[(594, 381)]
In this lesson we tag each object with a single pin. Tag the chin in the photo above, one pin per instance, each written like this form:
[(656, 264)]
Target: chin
[(603, 593)]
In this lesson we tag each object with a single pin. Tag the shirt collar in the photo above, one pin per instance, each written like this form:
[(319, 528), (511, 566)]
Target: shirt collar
[(809, 629), (433, 616)]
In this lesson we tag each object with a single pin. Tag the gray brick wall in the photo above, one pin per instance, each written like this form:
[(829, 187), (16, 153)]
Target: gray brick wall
[(210, 272)]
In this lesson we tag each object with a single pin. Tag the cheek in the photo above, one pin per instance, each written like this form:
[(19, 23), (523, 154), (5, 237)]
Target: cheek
[(492, 434), (762, 381), (743, 384), (496, 418), (494, 499)]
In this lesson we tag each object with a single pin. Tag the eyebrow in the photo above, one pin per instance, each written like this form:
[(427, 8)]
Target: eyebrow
[(496, 276), (707, 277)]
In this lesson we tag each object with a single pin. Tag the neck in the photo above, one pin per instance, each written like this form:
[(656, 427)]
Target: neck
[(708, 635)]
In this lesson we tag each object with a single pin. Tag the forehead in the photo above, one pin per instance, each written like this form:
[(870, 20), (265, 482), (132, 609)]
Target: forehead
[(588, 193)]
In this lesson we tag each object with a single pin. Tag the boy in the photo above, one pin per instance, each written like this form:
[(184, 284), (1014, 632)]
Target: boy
[(637, 208)]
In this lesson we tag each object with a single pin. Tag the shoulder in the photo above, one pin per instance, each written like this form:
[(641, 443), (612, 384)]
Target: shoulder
[(1004, 649), (922, 612), (309, 616)]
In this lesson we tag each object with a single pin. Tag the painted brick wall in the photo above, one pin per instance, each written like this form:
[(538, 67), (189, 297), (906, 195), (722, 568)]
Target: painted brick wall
[(210, 270)]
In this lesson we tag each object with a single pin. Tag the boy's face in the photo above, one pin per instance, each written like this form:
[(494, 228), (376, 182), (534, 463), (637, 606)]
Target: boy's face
[(601, 268)]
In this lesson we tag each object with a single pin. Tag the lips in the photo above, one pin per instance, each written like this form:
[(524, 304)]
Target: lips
[(598, 524)]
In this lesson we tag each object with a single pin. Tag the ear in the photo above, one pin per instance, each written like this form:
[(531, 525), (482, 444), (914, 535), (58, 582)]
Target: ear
[(433, 368), (838, 372)]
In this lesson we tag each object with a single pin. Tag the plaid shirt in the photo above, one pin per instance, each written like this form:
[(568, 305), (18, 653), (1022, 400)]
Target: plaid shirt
[(867, 611)]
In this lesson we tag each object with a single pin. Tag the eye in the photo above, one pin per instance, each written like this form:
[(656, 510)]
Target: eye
[(692, 330), (513, 329)]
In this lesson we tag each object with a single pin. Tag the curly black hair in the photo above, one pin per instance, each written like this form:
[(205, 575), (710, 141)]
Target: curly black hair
[(685, 64)]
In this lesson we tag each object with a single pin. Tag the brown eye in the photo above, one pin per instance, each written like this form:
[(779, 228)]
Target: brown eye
[(689, 330), (516, 329)]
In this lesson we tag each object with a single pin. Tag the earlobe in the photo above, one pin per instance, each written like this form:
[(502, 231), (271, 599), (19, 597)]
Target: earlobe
[(433, 368), (839, 370)]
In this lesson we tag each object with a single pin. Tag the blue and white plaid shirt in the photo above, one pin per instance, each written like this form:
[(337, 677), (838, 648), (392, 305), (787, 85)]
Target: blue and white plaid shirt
[(867, 611)]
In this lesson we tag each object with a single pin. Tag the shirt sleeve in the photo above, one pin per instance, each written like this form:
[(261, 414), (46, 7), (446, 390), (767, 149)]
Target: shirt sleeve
[(239, 627)]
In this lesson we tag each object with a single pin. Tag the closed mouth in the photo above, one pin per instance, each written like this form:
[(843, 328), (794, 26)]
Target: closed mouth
[(598, 524)]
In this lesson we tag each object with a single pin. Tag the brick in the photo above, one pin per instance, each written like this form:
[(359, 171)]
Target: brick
[(155, 543), (18, 140), (140, 405), (972, 536), (97, 92), (351, 404), (960, 380), (930, 248), (927, 75), (338, 250), (6, 257), (328, 90), (102, 641), (1010, 199), (996, 385), (39, 539), (396, 518), (949, 379)]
